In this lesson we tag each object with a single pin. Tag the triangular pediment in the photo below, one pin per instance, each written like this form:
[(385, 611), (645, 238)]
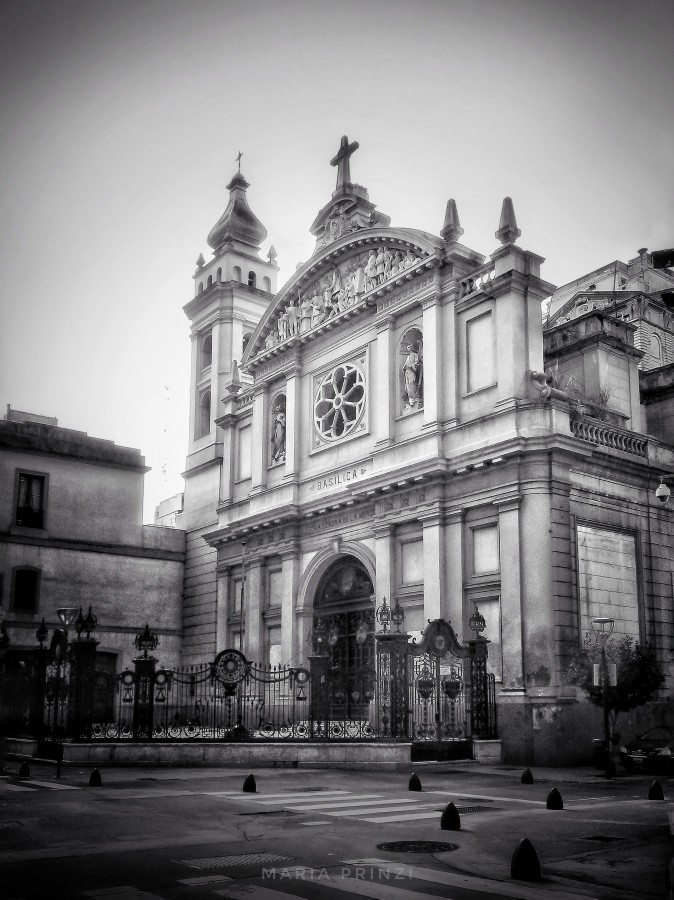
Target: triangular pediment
[(338, 283)]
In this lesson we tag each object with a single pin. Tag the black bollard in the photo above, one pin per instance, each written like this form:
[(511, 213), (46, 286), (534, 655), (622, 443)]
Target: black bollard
[(249, 786), (555, 800), (95, 779), (24, 770), (414, 783), (525, 865), (59, 759), (450, 819), (527, 777), (655, 791)]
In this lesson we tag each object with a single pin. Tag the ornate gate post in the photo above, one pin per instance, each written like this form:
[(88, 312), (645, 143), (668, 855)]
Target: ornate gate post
[(319, 663), (41, 654), (143, 699), (82, 667), (480, 692), (391, 697)]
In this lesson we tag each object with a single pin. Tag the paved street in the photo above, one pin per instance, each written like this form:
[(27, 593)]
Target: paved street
[(148, 834)]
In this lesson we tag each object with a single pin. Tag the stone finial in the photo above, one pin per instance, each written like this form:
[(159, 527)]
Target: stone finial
[(508, 232), (271, 256), (234, 384), (451, 230), (201, 262)]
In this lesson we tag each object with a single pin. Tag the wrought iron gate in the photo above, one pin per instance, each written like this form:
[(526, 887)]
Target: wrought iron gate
[(437, 692)]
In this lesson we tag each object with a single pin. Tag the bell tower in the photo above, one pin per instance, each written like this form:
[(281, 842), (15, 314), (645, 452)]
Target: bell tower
[(232, 290)]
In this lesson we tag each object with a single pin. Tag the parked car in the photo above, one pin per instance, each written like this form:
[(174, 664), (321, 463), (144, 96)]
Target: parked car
[(653, 751)]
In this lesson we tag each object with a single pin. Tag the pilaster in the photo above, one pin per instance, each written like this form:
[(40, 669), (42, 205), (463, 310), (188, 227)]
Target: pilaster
[(258, 440), (385, 378), (222, 636), (292, 422), (511, 593), (454, 541), (434, 565), (290, 575), (432, 358), (253, 639), (385, 559)]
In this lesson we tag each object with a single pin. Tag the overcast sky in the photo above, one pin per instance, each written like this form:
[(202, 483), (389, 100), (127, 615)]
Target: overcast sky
[(121, 122)]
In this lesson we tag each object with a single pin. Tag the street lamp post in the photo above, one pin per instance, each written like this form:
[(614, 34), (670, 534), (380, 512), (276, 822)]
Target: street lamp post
[(602, 629)]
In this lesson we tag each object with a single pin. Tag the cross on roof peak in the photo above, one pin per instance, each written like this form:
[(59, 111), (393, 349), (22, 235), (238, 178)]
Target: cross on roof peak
[(342, 162)]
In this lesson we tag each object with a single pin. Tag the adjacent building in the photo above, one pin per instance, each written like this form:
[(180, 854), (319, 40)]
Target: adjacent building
[(71, 536)]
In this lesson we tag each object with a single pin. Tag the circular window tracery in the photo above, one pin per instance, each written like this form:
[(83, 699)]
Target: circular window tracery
[(340, 402)]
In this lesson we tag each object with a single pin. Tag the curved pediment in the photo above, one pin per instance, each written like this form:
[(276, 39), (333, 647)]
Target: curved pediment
[(337, 283)]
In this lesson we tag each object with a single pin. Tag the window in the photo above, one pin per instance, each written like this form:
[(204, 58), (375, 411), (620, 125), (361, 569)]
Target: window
[(209, 283), (203, 424), (218, 276), (251, 279), (237, 273), (26, 590), (201, 286), (266, 282), (339, 402), (244, 341), (207, 352), (655, 348), (274, 645), (480, 352), (30, 503)]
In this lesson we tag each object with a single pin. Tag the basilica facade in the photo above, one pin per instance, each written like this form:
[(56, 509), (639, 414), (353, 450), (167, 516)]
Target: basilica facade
[(383, 426)]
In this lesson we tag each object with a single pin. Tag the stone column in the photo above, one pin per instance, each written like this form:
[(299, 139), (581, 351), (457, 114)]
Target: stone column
[(432, 360), (385, 560), (511, 593), (387, 383), (454, 576), (227, 424), (290, 574), (292, 422), (253, 606), (434, 565), (259, 436)]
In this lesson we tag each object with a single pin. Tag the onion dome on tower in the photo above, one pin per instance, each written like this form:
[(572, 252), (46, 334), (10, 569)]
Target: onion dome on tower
[(238, 223)]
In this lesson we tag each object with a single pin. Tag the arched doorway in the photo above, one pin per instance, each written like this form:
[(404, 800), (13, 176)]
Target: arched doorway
[(343, 627)]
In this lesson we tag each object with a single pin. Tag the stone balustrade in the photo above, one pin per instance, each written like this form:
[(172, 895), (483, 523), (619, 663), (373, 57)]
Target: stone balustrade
[(595, 432)]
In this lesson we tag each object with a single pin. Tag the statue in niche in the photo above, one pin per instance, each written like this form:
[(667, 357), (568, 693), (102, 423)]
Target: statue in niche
[(270, 340), (278, 435), (282, 326), (388, 260), (359, 283), (413, 374), (380, 265), (319, 309)]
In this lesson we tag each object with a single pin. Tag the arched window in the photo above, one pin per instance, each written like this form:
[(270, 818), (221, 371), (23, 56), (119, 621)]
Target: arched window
[(251, 279), (210, 281), (237, 273), (244, 341), (411, 370), (219, 274), (266, 281), (201, 286), (278, 430), (203, 423), (207, 352)]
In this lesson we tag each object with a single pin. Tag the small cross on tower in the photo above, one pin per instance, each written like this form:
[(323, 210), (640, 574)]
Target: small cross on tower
[(342, 162), (238, 159)]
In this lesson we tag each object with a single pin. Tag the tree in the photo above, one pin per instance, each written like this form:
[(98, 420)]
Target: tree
[(639, 674)]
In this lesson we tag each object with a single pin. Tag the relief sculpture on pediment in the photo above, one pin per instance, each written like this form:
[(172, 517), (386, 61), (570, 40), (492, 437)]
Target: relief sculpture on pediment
[(337, 290)]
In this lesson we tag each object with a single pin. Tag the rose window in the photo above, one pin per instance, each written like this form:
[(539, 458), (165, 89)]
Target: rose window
[(340, 402)]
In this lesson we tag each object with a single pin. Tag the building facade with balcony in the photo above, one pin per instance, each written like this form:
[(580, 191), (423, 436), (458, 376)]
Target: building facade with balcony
[(396, 422)]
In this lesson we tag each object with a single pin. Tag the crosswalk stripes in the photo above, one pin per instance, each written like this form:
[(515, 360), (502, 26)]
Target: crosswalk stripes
[(36, 786), (380, 879), (346, 804)]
